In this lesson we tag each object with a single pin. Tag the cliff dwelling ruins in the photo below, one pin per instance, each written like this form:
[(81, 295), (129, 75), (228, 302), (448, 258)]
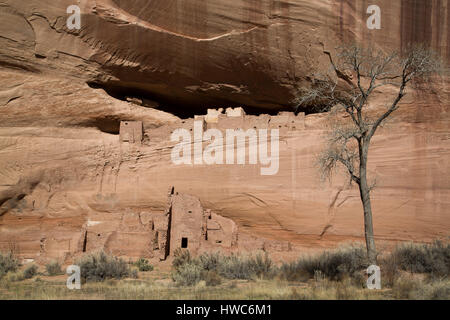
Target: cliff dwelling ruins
[(184, 224), (131, 131), (154, 231)]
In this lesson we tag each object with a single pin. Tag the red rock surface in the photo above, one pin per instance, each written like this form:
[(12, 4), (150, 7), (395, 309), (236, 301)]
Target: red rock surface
[(61, 161)]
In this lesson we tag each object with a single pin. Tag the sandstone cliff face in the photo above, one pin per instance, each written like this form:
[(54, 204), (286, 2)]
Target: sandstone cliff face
[(199, 53), (62, 163)]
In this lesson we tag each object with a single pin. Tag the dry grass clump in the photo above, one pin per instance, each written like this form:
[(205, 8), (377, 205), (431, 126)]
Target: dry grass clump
[(147, 289), (14, 276), (410, 287)]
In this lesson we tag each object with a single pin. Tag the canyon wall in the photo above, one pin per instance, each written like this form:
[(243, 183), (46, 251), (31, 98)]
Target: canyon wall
[(207, 52), (62, 162)]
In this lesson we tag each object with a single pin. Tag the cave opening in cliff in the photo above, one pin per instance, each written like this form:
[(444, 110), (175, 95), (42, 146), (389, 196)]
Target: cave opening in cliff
[(182, 108), (106, 125)]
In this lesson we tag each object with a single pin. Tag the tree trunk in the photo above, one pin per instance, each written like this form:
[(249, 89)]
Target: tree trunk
[(364, 191)]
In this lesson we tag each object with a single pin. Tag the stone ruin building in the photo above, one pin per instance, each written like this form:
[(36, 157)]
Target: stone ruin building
[(131, 131), (184, 224), (233, 118), (195, 228)]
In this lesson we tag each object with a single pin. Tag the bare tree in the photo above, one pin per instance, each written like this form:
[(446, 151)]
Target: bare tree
[(356, 74)]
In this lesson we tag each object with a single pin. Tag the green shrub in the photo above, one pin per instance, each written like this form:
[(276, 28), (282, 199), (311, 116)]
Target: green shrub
[(211, 267), (334, 265), (100, 266), (242, 267), (8, 262), (433, 259), (143, 265), (262, 266), (53, 268), (30, 271), (234, 267), (210, 261)]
